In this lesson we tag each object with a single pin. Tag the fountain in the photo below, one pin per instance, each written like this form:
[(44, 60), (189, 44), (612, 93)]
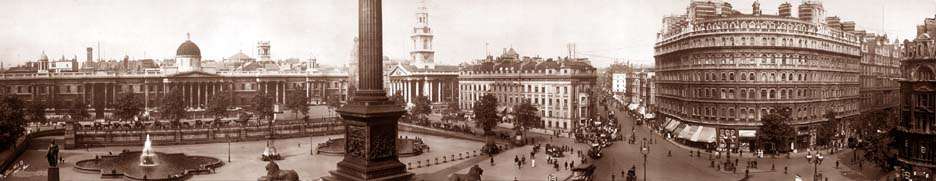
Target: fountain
[(148, 157), (148, 164)]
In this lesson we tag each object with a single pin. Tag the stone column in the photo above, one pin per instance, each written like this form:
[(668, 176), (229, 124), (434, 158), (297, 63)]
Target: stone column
[(409, 89), (429, 96), (370, 118)]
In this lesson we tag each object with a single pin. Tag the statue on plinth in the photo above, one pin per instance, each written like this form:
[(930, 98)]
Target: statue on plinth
[(53, 155), (275, 174)]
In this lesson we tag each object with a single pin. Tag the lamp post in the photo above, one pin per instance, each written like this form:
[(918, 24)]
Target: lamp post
[(645, 149), (815, 160)]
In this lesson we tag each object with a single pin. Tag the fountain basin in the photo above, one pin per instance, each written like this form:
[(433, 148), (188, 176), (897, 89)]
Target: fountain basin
[(166, 166)]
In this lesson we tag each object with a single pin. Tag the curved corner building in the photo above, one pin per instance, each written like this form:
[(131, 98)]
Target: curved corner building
[(916, 133), (719, 71)]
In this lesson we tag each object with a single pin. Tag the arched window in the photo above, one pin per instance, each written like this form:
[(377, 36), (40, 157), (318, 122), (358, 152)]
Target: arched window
[(923, 73), (773, 94), (743, 93), (752, 76), (731, 76)]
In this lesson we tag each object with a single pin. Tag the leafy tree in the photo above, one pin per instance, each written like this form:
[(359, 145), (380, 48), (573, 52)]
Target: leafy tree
[(526, 116), (875, 130), (12, 121), (332, 102), (485, 113), (172, 107), (775, 130), (128, 106), (453, 113), (298, 102), (397, 98), (78, 111), (421, 107), (218, 105), (878, 149), (37, 111), (828, 130), (262, 106)]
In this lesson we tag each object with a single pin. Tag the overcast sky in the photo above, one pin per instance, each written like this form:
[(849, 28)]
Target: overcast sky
[(623, 29)]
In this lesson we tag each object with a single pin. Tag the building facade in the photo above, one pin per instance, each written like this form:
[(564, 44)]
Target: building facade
[(719, 71), (99, 89), (916, 132), (560, 88), (421, 76)]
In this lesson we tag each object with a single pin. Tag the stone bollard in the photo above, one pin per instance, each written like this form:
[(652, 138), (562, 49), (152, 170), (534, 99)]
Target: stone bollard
[(409, 165), (428, 163), (437, 160), (418, 164)]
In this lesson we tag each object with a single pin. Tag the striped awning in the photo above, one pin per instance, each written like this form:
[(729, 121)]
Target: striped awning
[(689, 132), (671, 125), (706, 135)]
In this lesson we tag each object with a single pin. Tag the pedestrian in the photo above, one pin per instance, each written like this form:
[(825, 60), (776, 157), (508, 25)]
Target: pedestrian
[(533, 162), (492, 161), (836, 163), (566, 164)]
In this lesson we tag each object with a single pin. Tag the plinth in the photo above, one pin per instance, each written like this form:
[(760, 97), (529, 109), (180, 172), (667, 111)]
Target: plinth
[(371, 154), (53, 173), (370, 118)]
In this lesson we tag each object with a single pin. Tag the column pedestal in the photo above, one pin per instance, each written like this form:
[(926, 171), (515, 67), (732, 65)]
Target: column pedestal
[(53, 174), (370, 132)]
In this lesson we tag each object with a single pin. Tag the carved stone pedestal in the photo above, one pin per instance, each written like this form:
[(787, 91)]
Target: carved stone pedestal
[(371, 133)]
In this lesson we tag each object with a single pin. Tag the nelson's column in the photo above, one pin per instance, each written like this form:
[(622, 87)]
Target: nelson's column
[(370, 117)]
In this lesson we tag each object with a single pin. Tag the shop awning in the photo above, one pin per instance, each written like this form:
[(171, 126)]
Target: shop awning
[(679, 129), (672, 125), (632, 106), (688, 132), (706, 135), (747, 133)]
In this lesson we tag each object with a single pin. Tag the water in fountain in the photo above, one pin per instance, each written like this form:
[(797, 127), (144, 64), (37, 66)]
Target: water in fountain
[(148, 157)]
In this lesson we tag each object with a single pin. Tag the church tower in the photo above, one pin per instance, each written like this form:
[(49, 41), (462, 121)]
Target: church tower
[(422, 55), (263, 50)]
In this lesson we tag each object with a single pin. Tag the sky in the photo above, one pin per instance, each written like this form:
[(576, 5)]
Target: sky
[(602, 30)]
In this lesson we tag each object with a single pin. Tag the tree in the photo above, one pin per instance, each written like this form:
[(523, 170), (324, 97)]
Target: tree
[(12, 121), (78, 111), (421, 107), (37, 111), (332, 102), (875, 130), (262, 106), (128, 106), (526, 116), (776, 131), (218, 105), (298, 102), (485, 113), (453, 113), (827, 130), (172, 107), (397, 98)]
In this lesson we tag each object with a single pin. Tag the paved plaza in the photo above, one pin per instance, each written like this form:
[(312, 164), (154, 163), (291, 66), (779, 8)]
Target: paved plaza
[(245, 163)]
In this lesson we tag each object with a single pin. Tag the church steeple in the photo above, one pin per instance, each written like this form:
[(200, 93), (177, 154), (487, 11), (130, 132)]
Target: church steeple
[(422, 55)]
